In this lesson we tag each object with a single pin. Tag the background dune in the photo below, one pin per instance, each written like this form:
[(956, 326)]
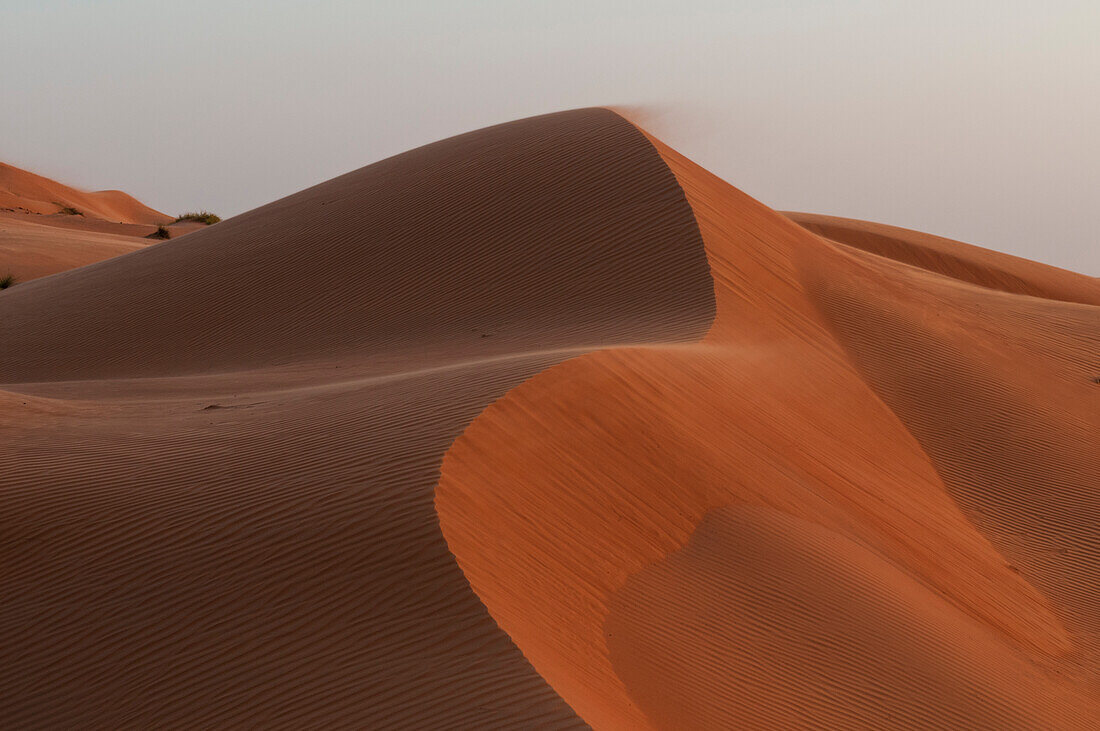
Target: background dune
[(546, 426), (24, 191), (38, 237), (985, 268)]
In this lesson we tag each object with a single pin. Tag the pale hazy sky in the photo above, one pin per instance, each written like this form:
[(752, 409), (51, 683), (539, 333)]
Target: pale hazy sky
[(974, 120)]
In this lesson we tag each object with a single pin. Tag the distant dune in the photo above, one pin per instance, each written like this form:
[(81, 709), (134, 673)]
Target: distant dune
[(545, 426), (24, 191), (47, 227)]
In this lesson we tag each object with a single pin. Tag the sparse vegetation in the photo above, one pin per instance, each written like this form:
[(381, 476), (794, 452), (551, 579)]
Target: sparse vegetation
[(160, 233), (201, 216), (7, 281), (70, 211)]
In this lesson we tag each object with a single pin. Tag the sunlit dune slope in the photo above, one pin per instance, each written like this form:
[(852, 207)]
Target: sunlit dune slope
[(544, 426), (21, 190), (868, 498)]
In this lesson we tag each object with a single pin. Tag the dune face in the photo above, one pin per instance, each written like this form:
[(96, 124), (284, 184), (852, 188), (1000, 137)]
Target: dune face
[(843, 508), (544, 426), (390, 260), (753, 587)]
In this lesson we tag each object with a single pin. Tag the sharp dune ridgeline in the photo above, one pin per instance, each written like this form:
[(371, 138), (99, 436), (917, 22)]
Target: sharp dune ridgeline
[(545, 426)]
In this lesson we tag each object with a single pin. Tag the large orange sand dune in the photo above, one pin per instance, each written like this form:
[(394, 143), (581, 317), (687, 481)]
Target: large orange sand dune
[(546, 426)]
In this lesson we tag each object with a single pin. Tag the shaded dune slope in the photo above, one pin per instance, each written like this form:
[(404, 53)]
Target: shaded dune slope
[(866, 499), (220, 453), (419, 255)]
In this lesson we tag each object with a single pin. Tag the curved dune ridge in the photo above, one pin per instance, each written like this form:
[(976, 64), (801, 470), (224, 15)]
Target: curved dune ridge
[(545, 426), (221, 451)]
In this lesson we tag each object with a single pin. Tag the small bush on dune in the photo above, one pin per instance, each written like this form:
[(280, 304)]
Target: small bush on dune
[(160, 233), (70, 211), (201, 216), (7, 281)]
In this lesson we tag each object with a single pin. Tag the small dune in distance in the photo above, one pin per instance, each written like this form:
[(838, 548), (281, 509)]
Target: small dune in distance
[(539, 426), (47, 227)]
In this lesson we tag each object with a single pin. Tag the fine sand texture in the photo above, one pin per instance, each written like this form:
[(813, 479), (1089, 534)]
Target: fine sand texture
[(545, 426), (867, 498)]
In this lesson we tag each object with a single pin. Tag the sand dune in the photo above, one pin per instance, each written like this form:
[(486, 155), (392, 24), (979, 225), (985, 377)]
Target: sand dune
[(21, 190), (545, 426), (39, 238), (983, 267)]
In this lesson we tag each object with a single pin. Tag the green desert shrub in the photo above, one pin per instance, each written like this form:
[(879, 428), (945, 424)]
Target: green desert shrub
[(160, 233), (201, 216)]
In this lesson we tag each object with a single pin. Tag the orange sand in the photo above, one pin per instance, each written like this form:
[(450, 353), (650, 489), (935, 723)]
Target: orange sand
[(26, 192), (37, 239), (546, 426), (866, 499)]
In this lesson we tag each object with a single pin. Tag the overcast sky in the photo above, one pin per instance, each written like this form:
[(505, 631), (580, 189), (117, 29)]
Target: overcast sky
[(975, 120)]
